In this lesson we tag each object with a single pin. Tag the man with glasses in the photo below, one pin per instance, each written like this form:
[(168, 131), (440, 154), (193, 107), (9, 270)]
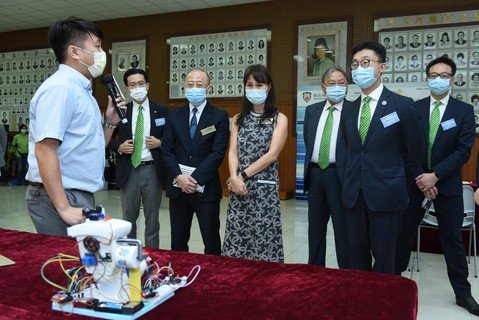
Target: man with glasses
[(324, 168), (383, 156), (194, 145), (449, 133), (140, 174)]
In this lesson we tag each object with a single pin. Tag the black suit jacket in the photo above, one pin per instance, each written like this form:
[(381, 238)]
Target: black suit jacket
[(205, 151), (452, 147), (390, 157), (158, 115), (311, 121)]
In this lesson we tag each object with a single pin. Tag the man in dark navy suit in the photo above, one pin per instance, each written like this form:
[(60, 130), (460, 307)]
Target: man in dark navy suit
[(196, 135), (141, 181), (449, 133), (383, 156), (324, 168)]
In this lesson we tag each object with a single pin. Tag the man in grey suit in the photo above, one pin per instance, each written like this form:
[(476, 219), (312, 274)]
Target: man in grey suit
[(141, 174), (324, 168)]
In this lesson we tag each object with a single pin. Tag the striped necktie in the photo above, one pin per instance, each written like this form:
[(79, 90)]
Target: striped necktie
[(138, 141), (365, 118), (325, 145), (433, 127)]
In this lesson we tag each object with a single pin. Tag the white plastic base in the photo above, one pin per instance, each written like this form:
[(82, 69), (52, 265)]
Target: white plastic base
[(163, 293)]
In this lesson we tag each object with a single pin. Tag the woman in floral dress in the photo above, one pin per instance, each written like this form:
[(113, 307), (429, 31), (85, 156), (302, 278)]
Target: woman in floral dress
[(258, 134)]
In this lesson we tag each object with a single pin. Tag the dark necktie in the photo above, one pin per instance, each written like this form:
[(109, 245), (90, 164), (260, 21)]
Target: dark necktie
[(193, 123)]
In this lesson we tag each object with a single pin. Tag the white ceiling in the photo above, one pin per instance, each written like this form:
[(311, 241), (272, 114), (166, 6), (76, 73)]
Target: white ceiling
[(28, 14)]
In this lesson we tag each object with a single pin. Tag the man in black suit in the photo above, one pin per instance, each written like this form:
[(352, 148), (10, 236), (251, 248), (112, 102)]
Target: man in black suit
[(196, 136), (324, 168), (449, 133), (383, 156), (140, 174)]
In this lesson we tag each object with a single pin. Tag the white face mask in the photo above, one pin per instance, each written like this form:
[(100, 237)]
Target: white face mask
[(139, 94), (23, 131), (99, 58)]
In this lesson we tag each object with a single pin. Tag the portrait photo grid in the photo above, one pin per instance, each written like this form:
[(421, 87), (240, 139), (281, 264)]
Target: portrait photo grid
[(21, 73), (224, 56), (409, 52)]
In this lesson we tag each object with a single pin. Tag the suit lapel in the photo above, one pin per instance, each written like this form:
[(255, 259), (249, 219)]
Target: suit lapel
[(423, 109), (378, 113), (315, 121), (355, 105), (184, 124), (448, 114), (153, 116), (129, 125)]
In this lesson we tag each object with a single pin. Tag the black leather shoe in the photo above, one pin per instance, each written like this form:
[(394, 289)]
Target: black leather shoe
[(469, 304)]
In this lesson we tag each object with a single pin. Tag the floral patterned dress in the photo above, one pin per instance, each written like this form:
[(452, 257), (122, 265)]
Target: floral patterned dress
[(253, 223)]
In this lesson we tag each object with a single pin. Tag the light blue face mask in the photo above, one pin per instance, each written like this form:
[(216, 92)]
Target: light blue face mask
[(256, 96), (364, 77), (336, 93), (438, 85), (195, 96)]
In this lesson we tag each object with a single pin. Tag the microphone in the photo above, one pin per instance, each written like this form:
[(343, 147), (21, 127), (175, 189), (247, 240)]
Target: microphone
[(112, 88)]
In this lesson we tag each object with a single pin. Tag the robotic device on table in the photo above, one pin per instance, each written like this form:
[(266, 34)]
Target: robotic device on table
[(115, 278)]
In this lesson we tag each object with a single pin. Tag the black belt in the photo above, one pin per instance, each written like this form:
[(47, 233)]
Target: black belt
[(147, 163), (40, 185), (315, 165)]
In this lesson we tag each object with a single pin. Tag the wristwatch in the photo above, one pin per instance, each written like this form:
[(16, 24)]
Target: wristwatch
[(244, 175)]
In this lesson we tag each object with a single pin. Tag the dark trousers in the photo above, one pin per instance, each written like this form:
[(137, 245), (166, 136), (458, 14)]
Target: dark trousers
[(181, 216), (324, 200), (372, 233), (412, 217), (449, 212), (21, 168)]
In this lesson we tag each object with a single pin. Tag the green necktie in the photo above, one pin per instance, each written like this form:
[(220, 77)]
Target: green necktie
[(365, 119), (138, 141), (433, 126), (324, 146)]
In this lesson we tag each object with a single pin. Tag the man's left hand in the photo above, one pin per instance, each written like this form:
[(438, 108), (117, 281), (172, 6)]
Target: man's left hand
[(152, 142), (111, 115), (426, 181)]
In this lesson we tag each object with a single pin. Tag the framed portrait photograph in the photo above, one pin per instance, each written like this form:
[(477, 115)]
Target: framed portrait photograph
[(430, 40), (444, 40), (127, 55), (122, 61), (460, 37), (322, 48), (414, 76), (401, 42), (474, 39)]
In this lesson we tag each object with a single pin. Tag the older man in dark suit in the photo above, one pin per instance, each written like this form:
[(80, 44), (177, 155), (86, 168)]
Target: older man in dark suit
[(324, 168), (196, 136), (449, 133), (140, 174), (383, 156)]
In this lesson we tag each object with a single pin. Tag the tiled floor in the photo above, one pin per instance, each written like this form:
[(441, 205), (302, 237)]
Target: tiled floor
[(436, 298)]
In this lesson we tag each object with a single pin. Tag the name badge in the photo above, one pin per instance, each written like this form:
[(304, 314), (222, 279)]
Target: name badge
[(390, 119), (268, 121), (160, 122), (448, 124), (208, 130)]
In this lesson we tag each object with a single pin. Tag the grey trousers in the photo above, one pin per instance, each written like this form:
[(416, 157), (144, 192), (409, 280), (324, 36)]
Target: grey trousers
[(45, 217), (144, 187)]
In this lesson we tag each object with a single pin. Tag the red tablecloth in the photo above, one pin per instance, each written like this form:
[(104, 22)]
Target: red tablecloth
[(226, 288)]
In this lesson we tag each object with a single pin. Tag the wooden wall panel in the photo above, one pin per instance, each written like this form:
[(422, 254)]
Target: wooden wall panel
[(280, 16)]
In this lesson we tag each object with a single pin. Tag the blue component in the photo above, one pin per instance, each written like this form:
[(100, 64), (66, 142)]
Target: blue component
[(89, 260)]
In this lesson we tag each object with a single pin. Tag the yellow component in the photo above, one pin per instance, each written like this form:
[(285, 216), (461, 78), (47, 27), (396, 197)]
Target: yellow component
[(135, 285)]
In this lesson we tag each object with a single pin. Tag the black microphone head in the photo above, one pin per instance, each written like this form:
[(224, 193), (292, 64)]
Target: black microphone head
[(107, 78)]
